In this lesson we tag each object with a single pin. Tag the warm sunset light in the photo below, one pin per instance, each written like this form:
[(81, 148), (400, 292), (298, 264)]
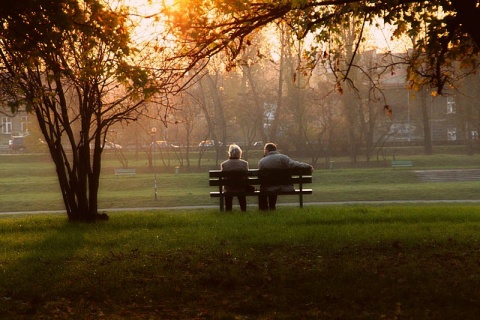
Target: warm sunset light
[(239, 159), (380, 38), (145, 16)]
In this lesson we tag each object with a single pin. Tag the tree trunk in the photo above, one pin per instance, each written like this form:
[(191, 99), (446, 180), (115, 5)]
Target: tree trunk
[(278, 112), (80, 201), (78, 174), (427, 135), (220, 121)]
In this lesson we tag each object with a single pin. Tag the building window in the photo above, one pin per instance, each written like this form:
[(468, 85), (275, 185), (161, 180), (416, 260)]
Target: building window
[(452, 134), (24, 125), (451, 105), (6, 125)]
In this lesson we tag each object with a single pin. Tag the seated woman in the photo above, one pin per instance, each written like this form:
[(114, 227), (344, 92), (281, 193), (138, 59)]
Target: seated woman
[(235, 163)]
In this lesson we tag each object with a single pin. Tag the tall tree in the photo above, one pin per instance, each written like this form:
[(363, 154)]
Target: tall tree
[(71, 63)]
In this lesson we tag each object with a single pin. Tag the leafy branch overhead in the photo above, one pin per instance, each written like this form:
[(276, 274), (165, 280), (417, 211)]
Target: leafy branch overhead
[(442, 32)]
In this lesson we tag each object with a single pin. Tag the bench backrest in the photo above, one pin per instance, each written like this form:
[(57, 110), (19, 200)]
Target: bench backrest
[(226, 178), (402, 163), (125, 171), (257, 177), (275, 177)]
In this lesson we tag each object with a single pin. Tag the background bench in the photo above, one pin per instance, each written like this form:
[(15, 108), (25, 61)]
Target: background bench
[(255, 177), (125, 172), (402, 163)]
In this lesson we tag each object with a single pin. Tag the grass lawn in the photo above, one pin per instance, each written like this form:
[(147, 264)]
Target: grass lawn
[(325, 262), (28, 183)]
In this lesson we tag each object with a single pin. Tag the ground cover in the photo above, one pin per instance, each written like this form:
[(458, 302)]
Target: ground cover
[(327, 262), (28, 182)]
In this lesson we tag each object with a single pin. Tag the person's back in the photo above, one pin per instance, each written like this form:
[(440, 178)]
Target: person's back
[(273, 160), (235, 164)]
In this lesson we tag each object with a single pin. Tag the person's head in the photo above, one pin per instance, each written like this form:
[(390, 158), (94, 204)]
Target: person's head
[(269, 147), (234, 152)]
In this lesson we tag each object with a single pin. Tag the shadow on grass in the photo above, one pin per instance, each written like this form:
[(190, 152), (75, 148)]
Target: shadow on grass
[(386, 263), (42, 275)]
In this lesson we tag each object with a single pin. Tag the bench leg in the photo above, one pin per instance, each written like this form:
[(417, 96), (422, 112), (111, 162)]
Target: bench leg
[(222, 203)]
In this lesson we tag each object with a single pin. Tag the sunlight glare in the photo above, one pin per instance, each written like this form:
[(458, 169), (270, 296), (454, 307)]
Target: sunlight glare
[(145, 14), (380, 39)]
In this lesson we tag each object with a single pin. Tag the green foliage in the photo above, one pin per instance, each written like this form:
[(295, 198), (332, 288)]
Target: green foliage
[(348, 262)]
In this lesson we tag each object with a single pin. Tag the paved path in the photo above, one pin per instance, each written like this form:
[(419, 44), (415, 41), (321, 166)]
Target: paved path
[(331, 203)]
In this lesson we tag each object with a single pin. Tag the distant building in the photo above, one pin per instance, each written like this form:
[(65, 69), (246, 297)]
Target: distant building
[(13, 125), (452, 118)]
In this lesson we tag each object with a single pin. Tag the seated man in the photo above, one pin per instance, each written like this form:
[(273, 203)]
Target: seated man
[(271, 160)]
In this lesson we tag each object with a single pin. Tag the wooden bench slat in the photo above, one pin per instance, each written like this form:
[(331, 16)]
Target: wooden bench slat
[(254, 181), (125, 171), (216, 194), (402, 163), (220, 173), (254, 172)]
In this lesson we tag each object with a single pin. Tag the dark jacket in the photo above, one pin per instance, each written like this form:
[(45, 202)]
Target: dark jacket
[(234, 165), (276, 160)]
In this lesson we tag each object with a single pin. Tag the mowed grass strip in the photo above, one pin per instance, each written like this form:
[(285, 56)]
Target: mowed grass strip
[(37, 192), (28, 183), (328, 262)]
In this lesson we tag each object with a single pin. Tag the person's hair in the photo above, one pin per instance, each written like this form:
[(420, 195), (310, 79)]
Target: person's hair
[(234, 152), (270, 147)]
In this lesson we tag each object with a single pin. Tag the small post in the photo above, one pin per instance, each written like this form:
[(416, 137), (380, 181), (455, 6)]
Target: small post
[(301, 190), (153, 146)]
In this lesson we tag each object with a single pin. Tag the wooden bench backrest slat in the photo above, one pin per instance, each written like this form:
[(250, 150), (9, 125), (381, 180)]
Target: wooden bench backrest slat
[(125, 171), (222, 174), (402, 163), (255, 181), (254, 172)]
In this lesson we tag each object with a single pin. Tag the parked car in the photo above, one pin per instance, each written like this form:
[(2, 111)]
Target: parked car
[(111, 145), (162, 144), (17, 143), (208, 143), (258, 144)]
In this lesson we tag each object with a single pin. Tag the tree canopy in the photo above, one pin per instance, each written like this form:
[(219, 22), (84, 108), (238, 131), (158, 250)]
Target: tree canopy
[(442, 32), (72, 64)]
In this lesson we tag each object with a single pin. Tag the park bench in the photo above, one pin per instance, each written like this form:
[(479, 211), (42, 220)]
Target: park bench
[(125, 171), (402, 163), (255, 177)]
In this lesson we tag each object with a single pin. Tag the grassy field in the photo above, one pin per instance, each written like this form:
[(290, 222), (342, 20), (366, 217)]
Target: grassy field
[(381, 261), (325, 262), (28, 183)]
